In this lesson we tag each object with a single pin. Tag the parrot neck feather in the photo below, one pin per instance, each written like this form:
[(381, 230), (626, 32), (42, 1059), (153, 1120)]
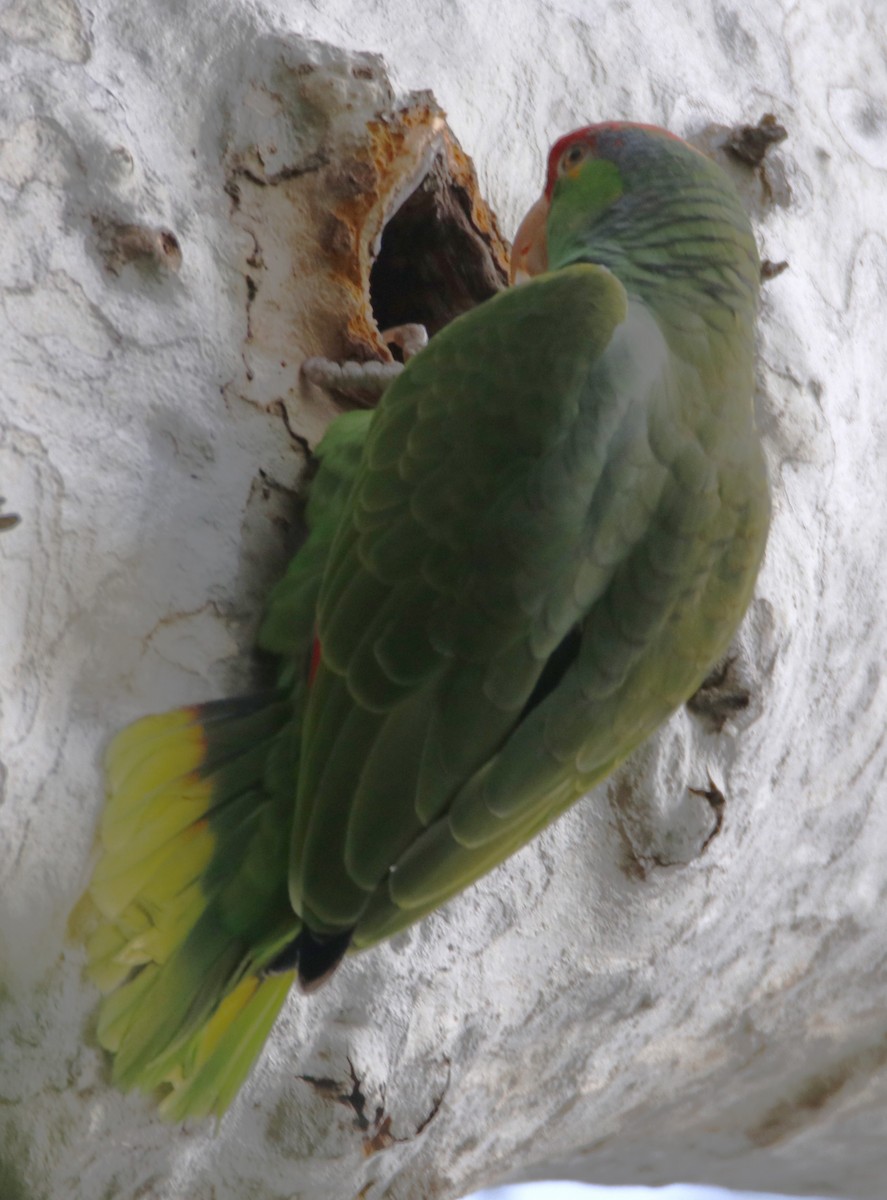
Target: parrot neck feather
[(689, 252)]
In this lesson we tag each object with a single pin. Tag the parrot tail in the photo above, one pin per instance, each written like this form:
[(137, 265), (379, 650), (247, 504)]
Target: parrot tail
[(188, 901)]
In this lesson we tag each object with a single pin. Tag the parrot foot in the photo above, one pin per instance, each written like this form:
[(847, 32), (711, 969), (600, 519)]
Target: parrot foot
[(365, 382), (362, 382)]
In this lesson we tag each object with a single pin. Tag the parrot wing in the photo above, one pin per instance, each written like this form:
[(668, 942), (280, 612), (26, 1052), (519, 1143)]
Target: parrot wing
[(538, 562), (463, 561)]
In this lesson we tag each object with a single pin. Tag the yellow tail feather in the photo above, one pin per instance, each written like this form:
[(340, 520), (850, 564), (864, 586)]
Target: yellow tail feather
[(181, 915), (158, 877)]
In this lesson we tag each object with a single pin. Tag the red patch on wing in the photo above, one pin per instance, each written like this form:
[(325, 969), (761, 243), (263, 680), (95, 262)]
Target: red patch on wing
[(197, 729), (315, 660), (589, 135)]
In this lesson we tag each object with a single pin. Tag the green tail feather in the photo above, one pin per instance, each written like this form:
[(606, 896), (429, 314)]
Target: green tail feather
[(215, 1063)]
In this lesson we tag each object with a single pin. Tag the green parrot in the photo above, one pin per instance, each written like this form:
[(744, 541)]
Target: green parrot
[(517, 567)]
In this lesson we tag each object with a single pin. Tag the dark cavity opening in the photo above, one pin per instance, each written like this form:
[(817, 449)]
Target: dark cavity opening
[(433, 263)]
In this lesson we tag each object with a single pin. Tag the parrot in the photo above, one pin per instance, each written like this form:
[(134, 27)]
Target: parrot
[(527, 556)]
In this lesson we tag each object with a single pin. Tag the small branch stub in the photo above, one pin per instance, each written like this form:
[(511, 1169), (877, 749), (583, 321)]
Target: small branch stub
[(146, 246), (750, 143)]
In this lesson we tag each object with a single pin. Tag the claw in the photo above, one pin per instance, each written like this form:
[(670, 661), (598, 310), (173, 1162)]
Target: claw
[(410, 338)]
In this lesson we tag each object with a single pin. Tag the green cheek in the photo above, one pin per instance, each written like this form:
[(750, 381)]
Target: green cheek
[(576, 201)]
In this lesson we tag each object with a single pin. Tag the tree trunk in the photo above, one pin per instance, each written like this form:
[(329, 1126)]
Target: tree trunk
[(681, 980)]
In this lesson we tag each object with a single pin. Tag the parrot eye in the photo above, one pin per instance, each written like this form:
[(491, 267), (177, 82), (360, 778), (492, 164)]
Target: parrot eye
[(572, 157)]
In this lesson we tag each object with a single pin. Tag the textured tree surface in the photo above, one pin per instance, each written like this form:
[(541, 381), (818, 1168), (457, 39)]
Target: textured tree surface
[(684, 978)]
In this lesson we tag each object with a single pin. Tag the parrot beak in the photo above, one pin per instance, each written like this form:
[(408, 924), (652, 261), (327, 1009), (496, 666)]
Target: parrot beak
[(529, 253)]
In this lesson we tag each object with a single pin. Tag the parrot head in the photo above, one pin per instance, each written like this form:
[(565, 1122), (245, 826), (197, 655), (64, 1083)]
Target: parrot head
[(608, 158), (610, 185), (581, 165)]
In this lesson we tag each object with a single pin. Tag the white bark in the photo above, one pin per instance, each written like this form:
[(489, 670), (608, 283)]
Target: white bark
[(621, 1003)]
